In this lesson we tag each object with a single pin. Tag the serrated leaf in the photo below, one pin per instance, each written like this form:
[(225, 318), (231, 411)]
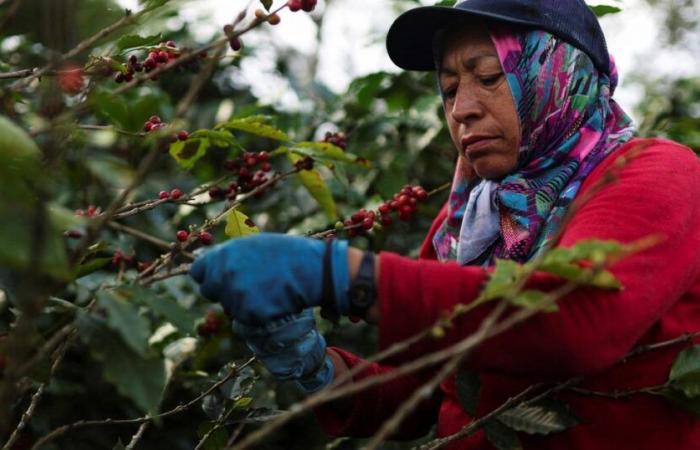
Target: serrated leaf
[(685, 372), (188, 152), (267, 4), (501, 437), (545, 417), (536, 300), (255, 125), (140, 379), (468, 387), (317, 187), (602, 10), (217, 138), (123, 317), (239, 225), (134, 40)]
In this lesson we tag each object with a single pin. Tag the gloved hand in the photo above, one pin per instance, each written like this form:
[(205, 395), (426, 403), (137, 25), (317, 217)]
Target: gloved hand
[(291, 349), (269, 276)]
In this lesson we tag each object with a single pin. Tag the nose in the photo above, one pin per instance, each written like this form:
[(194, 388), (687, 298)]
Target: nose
[(466, 106)]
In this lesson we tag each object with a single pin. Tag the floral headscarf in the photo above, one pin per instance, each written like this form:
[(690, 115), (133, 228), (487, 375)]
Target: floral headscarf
[(569, 124)]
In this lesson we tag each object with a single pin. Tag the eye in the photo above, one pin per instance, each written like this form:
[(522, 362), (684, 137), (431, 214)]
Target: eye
[(449, 93), (491, 80)]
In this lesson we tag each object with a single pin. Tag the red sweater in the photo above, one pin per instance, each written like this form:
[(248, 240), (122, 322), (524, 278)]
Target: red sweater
[(657, 192)]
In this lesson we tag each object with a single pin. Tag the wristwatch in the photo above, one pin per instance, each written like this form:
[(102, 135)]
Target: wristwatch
[(362, 292)]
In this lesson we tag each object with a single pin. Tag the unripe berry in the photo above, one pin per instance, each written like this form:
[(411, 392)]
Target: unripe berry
[(175, 194), (163, 195), (274, 19), (182, 235), (339, 226)]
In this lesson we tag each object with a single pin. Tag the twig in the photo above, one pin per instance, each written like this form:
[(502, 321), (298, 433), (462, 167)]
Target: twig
[(180, 270), (16, 74), (148, 238), (137, 436), (57, 432), (425, 391), (684, 338)]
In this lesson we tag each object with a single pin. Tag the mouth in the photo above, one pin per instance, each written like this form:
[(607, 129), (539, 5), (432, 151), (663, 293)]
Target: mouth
[(476, 145)]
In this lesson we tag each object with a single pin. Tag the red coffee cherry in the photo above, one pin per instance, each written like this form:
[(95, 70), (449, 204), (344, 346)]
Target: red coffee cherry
[(205, 237), (182, 235), (294, 5), (164, 195), (175, 194), (183, 135)]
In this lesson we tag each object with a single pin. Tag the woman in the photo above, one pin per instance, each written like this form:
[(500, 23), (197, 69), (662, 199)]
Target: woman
[(528, 101)]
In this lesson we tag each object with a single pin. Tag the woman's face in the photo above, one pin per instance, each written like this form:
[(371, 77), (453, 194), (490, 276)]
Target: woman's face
[(478, 105)]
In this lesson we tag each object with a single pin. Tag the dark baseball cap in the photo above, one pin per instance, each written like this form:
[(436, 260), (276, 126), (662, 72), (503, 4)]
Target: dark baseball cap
[(410, 38)]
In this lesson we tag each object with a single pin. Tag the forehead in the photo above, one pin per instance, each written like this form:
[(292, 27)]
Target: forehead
[(466, 41)]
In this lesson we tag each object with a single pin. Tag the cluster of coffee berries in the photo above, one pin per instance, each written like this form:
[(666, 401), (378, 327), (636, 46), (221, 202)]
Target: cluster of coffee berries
[(250, 170), (213, 321), (404, 203), (306, 5), (155, 123), (174, 195), (90, 211), (161, 54), (272, 19), (119, 258), (204, 237), (306, 163), (337, 139)]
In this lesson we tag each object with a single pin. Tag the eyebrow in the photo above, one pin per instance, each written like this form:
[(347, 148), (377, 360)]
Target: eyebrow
[(469, 64)]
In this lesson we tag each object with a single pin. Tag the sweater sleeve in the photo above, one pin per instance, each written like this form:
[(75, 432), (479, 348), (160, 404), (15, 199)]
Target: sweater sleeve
[(656, 193), (361, 414)]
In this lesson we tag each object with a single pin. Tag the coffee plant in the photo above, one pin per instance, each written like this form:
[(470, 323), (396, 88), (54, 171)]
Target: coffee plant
[(123, 153)]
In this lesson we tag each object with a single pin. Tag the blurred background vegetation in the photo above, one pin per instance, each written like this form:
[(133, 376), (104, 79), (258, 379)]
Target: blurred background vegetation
[(392, 119)]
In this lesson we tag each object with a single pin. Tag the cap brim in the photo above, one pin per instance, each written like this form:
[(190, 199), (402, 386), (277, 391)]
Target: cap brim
[(410, 38)]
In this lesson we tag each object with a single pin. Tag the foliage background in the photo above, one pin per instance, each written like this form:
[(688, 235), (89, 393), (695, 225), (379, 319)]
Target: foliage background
[(392, 119)]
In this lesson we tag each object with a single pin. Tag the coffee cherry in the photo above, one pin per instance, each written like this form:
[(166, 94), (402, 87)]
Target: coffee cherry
[(73, 234), (294, 5), (164, 195), (228, 30), (384, 208), (154, 119), (266, 167), (175, 194), (206, 237), (339, 226), (203, 330), (386, 220), (263, 156), (260, 14), (367, 223), (235, 44), (119, 77), (147, 127), (182, 235), (251, 161), (216, 192), (149, 64), (305, 164), (274, 19), (183, 135), (308, 5)]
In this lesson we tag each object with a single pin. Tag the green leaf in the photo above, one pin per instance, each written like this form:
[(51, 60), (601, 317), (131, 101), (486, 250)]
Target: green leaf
[(140, 379), (217, 138), (19, 154), (255, 125), (153, 4), (688, 404), (468, 387), (123, 317), (502, 280), (239, 225), (188, 152), (326, 152), (112, 107), (91, 266), (317, 187), (267, 4), (534, 300), (169, 309), (545, 417), (501, 437), (685, 372), (134, 40), (602, 10)]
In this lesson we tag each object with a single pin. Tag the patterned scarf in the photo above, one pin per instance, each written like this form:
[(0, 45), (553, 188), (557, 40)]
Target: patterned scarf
[(569, 124)]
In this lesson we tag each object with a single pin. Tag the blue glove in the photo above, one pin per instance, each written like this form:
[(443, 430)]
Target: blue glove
[(269, 276), (291, 349)]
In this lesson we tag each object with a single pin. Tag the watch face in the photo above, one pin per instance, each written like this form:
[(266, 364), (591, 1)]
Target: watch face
[(362, 294)]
